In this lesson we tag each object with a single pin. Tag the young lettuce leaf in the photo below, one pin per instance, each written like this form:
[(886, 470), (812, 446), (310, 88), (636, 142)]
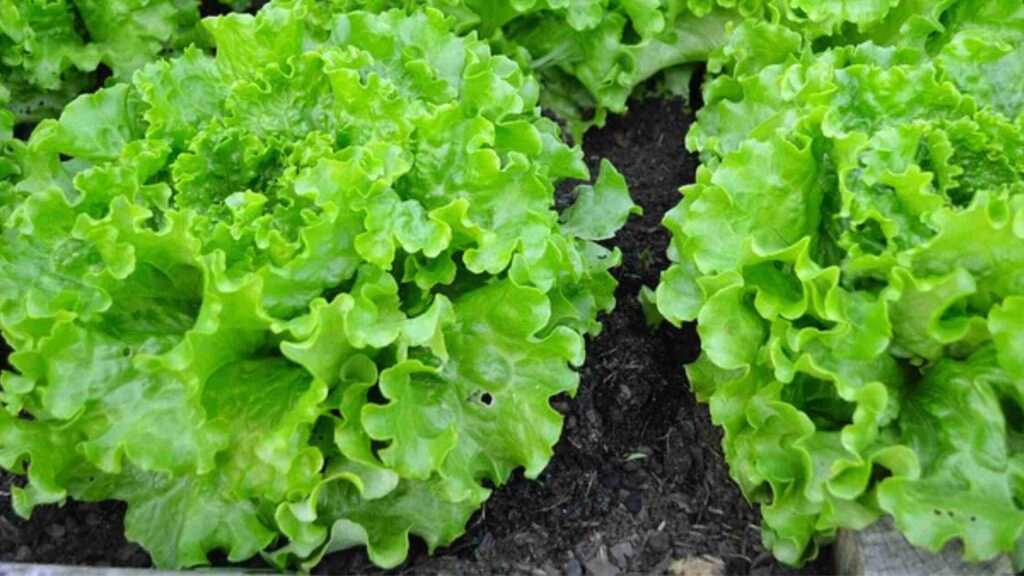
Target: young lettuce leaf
[(852, 252), (309, 294)]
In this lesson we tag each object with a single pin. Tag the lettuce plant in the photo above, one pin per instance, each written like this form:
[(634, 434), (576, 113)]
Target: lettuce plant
[(852, 252), (308, 294), (50, 50), (593, 55)]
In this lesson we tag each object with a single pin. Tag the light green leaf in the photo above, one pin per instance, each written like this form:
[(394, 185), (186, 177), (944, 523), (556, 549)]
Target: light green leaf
[(602, 209)]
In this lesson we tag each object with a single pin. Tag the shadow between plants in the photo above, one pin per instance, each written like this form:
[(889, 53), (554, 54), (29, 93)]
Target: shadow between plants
[(638, 478)]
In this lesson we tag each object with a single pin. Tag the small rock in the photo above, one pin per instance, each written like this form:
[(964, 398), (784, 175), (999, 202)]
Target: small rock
[(698, 566), (573, 568), (659, 542), (600, 566), (23, 554), (93, 519), (621, 553)]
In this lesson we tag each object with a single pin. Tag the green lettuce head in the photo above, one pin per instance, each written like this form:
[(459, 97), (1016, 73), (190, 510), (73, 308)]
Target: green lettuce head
[(853, 254), (51, 50), (309, 294), (591, 56)]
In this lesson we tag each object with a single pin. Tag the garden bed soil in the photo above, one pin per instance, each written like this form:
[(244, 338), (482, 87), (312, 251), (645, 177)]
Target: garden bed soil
[(638, 479)]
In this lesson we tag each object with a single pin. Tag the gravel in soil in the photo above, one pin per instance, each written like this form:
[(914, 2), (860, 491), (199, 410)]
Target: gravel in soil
[(637, 480)]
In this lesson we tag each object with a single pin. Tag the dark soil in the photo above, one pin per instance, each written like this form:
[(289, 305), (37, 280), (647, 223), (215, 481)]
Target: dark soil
[(638, 479)]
